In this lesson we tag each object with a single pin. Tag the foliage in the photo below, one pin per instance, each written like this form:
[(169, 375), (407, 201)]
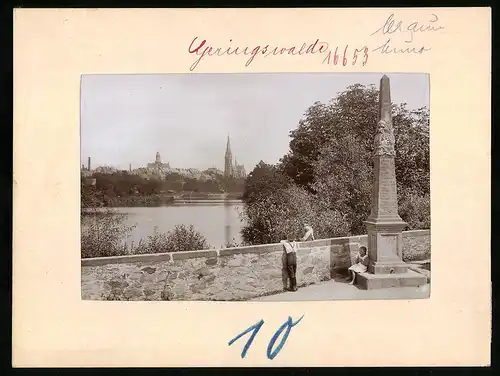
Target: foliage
[(155, 243), (284, 212), (264, 180), (326, 177), (411, 130), (103, 233), (181, 239), (415, 209), (343, 180), (125, 189), (353, 112)]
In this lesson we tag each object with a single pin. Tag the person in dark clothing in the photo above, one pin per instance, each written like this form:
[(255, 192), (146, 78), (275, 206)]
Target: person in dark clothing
[(290, 262)]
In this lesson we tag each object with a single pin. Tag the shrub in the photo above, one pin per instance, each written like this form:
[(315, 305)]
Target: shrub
[(285, 212), (185, 238), (103, 233), (155, 243), (181, 239)]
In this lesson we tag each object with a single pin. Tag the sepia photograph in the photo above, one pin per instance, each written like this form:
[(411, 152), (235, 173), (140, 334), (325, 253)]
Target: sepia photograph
[(255, 187)]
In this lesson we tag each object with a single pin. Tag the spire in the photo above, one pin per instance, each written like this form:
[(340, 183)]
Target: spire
[(228, 160), (228, 146)]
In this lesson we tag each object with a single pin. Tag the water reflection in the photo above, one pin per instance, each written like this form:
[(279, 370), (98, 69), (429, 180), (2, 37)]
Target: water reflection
[(219, 222), (227, 221)]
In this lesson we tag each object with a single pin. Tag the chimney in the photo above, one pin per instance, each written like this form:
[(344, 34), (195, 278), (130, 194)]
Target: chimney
[(130, 167), (89, 164)]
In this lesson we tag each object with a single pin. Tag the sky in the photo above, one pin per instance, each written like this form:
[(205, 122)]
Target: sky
[(126, 119)]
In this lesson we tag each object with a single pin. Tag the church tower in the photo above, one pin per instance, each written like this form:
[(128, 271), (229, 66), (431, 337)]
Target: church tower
[(228, 165)]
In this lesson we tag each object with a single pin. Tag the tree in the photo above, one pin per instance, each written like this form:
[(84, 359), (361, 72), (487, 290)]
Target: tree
[(306, 141), (263, 180), (284, 212), (343, 180), (353, 112), (190, 185), (411, 130), (235, 185), (331, 161)]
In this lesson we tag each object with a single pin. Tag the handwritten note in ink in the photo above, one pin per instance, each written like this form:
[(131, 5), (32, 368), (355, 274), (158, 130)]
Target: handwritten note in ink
[(399, 37), (408, 32), (272, 351), (342, 55)]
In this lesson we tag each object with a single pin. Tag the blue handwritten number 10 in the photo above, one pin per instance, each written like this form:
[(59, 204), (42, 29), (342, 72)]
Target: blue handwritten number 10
[(271, 354)]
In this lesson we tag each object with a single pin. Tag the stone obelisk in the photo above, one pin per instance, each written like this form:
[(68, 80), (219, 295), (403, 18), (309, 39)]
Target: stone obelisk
[(384, 225)]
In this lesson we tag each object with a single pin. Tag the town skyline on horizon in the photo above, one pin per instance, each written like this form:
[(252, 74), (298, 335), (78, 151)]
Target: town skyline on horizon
[(126, 119), (85, 161)]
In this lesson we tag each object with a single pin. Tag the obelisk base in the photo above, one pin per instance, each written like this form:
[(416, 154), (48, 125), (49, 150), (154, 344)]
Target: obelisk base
[(385, 245), (385, 248), (369, 281), (396, 267)]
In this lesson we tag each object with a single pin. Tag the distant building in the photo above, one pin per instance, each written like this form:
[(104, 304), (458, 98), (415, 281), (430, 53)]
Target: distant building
[(228, 160), (239, 171), (85, 170), (158, 167), (88, 167), (232, 170), (106, 170)]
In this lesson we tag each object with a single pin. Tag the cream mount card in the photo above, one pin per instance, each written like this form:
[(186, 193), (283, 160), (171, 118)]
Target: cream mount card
[(202, 95)]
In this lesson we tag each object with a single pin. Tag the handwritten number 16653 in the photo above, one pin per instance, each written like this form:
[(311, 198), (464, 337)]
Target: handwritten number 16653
[(271, 351)]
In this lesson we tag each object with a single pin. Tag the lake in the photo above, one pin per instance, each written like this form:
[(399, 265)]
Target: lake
[(216, 221)]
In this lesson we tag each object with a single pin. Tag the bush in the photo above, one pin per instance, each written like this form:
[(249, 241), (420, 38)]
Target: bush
[(103, 233), (284, 213), (155, 243), (181, 239)]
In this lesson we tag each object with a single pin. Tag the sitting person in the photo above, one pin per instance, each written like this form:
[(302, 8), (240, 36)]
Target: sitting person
[(290, 261), (361, 264)]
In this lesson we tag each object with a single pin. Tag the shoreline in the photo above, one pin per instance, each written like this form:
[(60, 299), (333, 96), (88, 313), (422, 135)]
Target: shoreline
[(180, 202), (167, 201)]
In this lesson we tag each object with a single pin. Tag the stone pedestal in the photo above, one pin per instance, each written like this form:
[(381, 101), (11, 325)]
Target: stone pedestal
[(384, 225), (385, 243), (386, 268), (370, 281)]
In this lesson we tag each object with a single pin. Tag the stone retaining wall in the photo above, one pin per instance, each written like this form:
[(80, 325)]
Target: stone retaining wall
[(227, 274)]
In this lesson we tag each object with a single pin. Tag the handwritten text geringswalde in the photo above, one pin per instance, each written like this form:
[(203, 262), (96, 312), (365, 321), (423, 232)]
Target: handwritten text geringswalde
[(202, 49)]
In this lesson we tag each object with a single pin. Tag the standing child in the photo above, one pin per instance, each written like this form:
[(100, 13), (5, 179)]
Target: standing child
[(290, 258), (309, 235), (361, 264)]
